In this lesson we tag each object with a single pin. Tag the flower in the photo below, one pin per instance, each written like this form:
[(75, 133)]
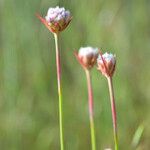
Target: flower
[(106, 64), (87, 56), (57, 19)]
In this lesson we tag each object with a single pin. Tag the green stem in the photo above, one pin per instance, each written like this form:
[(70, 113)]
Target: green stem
[(59, 90), (91, 115), (113, 109)]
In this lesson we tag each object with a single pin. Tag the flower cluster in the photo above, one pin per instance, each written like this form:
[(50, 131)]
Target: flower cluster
[(58, 19), (87, 56), (106, 64)]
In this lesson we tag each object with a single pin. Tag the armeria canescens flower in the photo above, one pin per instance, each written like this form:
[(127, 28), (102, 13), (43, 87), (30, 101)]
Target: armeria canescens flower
[(106, 64), (87, 56), (57, 19)]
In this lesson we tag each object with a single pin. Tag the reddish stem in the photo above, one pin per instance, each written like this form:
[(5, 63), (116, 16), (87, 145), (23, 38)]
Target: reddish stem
[(59, 91), (58, 65), (90, 93), (113, 109), (91, 114)]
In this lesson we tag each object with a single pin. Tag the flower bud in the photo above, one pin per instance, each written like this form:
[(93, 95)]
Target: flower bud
[(106, 64), (87, 56), (58, 19)]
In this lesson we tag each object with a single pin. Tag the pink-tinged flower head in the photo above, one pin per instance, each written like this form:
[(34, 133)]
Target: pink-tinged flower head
[(87, 56), (58, 19), (106, 64)]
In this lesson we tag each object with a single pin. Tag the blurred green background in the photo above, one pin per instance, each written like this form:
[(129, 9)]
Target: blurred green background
[(28, 85)]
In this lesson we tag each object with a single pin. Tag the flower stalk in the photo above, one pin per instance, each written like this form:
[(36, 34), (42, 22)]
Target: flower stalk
[(58, 66), (91, 114), (56, 20), (87, 57), (106, 64), (113, 110)]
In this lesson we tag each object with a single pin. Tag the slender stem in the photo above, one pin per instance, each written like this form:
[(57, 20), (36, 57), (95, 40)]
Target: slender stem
[(59, 90), (113, 109), (91, 114)]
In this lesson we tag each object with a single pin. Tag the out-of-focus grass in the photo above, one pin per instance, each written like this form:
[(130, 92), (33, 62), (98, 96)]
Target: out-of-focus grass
[(28, 86), (137, 136)]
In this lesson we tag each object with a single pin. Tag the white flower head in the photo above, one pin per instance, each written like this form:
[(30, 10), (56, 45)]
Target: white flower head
[(84, 51), (107, 64), (107, 57), (88, 56), (58, 18)]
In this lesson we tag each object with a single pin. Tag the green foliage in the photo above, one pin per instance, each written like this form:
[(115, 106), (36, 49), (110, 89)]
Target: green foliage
[(28, 85)]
